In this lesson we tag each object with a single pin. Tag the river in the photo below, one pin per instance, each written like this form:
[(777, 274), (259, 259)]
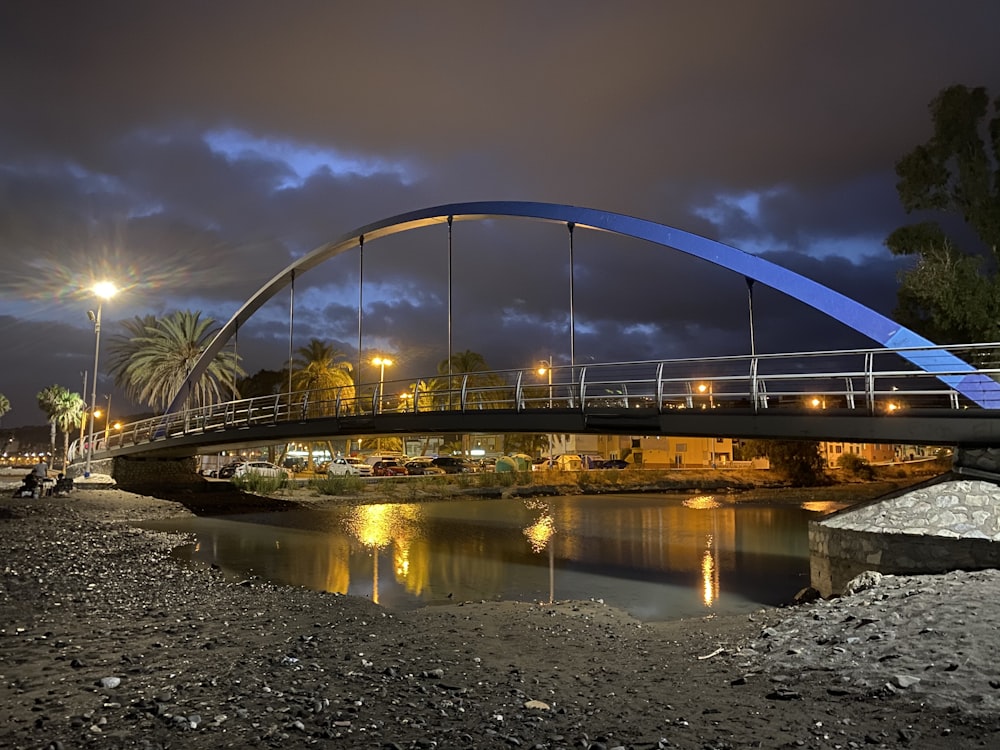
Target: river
[(658, 557)]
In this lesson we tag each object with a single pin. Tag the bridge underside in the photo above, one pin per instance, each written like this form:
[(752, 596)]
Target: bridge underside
[(963, 428)]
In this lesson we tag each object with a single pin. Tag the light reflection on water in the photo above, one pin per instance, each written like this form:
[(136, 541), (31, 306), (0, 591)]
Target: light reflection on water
[(659, 557)]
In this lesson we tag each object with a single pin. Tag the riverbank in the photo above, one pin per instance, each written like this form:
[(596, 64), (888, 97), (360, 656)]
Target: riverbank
[(107, 642)]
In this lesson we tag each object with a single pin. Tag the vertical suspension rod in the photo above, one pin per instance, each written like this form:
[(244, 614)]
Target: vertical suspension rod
[(572, 322), (451, 221), (361, 284), (291, 334)]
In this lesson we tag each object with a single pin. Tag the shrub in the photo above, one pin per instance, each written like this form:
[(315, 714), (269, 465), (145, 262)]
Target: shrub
[(259, 484), (856, 466), (345, 484)]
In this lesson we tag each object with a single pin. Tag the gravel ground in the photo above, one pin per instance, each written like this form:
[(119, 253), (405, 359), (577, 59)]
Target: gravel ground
[(106, 642)]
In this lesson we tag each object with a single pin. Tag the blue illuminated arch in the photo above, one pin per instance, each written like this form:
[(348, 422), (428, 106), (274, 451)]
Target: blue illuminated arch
[(885, 331)]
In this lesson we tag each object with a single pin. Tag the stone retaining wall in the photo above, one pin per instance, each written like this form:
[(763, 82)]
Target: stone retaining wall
[(949, 524)]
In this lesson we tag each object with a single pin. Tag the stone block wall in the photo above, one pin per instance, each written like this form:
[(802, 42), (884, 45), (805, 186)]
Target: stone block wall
[(138, 472), (949, 525)]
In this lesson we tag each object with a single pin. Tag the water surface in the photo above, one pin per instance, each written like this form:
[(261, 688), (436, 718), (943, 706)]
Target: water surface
[(659, 557)]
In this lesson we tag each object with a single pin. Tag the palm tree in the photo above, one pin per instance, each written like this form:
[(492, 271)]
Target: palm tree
[(325, 374), (4, 405), (472, 367), (64, 410), (153, 362)]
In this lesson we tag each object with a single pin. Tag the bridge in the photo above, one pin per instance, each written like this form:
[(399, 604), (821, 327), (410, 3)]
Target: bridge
[(883, 398), (905, 390)]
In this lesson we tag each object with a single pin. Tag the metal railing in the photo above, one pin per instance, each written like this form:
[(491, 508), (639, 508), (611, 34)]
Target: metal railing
[(874, 380)]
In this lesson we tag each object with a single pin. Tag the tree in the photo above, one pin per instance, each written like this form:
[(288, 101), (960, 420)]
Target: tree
[(154, 360), (951, 295), (472, 367), (64, 410), (321, 367), (262, 383), (325, 373), (4, 405), (800, 461)]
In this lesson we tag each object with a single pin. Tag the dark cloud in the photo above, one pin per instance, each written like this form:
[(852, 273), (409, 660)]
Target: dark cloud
[(192, 150)]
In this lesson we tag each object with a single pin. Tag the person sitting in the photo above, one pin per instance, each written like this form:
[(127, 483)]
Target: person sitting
[(30, 486), (63, 486)]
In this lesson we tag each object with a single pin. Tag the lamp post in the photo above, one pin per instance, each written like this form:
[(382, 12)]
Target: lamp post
[(382, 363), (545, 368), (104, 290), (107, 420)]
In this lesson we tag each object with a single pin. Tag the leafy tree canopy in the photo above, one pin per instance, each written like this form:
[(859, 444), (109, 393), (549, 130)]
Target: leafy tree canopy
[(952, 295), (799, 461)]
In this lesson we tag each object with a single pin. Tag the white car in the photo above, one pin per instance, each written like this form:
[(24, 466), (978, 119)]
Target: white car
[(260, 468), (344, 465)]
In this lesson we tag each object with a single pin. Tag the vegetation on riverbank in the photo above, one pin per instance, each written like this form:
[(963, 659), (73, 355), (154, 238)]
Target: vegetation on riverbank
[(747, 483)]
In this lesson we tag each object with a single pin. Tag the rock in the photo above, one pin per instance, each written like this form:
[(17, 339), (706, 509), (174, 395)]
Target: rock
[(863, 582), (806, 595), (110, 683)]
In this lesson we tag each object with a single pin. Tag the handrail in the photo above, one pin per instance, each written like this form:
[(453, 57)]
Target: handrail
[(752, 382)]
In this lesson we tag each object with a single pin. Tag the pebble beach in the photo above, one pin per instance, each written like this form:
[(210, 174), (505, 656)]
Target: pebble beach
[(108, 642)]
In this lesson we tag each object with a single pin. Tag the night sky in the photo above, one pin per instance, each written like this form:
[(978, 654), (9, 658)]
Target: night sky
[(192, 150)]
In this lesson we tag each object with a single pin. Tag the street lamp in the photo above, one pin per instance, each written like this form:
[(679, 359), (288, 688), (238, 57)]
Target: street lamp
[(545, 368), (382, 363), (104, 290), (107, 420)]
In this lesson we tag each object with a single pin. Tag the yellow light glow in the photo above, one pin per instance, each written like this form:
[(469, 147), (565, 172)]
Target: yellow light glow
[(104, 289), (709, 574), (702, 388), (382, 362), (540, 533), (542, 371)]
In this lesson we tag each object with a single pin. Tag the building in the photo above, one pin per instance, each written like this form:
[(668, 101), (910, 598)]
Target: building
[(677, 452), (873, 453)]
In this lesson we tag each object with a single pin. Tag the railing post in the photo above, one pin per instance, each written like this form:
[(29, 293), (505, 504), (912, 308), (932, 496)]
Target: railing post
[(754, 393), (870, 381), (583, 389), (464, 394), (659, 388), (518, 393)]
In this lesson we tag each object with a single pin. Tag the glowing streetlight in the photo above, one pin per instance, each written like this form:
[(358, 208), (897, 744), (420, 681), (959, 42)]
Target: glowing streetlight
[(104, 290), (545, 368), (703, 388), (381, 363)]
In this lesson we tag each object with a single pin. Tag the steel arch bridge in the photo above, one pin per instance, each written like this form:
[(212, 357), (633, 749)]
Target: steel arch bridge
[(952, 371)]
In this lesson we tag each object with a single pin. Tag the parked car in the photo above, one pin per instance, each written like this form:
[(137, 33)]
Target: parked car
[(227, 471), (389, 467), (452, 465), (261, 468), (613, 463), (343, 465), (423, 466)]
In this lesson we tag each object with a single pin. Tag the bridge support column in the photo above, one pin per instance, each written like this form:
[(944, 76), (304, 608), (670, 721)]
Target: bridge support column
[(137, 474), (949, 523), (978, 462)]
